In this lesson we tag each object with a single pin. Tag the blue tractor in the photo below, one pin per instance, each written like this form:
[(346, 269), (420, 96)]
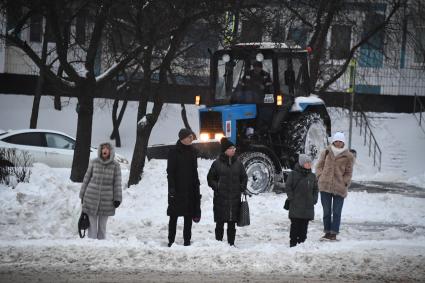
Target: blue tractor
[(260, 99)]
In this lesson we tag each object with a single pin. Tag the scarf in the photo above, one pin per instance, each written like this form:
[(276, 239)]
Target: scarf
[(337, 151)]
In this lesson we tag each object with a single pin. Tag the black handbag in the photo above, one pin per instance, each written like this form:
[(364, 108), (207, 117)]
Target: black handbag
[(83, 224), (287, 203), (244, 214)]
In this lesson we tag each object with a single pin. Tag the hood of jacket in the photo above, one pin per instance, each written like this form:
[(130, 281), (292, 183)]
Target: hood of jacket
[(111, 155)]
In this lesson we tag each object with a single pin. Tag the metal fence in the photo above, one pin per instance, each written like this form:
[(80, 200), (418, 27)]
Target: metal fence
[(418, 112), (369, 138)]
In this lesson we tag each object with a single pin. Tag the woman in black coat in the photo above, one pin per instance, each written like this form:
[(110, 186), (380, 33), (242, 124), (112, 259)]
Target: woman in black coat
[(228, 179), (183, 187)]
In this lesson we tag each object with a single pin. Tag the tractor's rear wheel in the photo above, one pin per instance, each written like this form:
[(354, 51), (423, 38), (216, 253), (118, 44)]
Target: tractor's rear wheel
[(305, 133), (260, 170)]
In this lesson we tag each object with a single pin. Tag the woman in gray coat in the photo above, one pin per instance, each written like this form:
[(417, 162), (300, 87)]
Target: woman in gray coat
[(101, 191), (302, 191)]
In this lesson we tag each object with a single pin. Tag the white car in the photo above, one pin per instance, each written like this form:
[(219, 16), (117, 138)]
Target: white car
[(52, 148)]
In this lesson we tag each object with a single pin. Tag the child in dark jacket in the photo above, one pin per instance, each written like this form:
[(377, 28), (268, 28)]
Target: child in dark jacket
[(302, 191)]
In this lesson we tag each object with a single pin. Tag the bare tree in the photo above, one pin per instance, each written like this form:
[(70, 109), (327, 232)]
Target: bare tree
[(78, 60), (162, 27)]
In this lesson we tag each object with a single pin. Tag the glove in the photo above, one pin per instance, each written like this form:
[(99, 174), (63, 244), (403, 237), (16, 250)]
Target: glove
[(116, 203)]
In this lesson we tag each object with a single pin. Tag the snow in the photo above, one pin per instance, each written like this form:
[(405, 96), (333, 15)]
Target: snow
[(107, 72), (382, 234), (143, 122), (301, 102)]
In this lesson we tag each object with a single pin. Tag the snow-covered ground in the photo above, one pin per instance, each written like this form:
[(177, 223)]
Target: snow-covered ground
[(382, 235)]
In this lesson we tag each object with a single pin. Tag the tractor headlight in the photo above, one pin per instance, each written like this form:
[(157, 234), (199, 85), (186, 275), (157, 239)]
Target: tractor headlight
[(204, 136), (218, 136)]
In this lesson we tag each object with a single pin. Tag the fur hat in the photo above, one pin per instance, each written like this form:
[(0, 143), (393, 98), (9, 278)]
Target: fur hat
[(338, 136), (303, 159), (184, 133), (225, 144)]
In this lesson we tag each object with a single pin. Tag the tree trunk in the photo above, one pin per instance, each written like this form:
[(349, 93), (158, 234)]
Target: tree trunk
[(84, 132), (184, 117), (116, 121), (39, 87), (138, 160), (36, 101)]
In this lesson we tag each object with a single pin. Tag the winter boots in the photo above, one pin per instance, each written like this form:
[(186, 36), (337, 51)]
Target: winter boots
[(329, 237)]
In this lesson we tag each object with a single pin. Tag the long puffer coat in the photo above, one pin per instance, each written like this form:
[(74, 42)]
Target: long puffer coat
[(302, 190), (227, 177), (101, 185), (183, 181)]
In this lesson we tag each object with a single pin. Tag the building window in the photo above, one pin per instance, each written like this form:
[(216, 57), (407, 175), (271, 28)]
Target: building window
[(420, 45), (49, 32), (278, 32), (36, 27), (298, 35), (80, 28), (252, 30), (201, 37), (340, 42), (13, 15), (372, 52)]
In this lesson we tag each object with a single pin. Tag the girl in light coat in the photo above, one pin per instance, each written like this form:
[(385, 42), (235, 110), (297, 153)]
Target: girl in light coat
[(334, 171)]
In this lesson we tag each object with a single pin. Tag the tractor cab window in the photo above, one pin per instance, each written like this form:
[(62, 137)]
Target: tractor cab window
[(244, 80), (293, 76)]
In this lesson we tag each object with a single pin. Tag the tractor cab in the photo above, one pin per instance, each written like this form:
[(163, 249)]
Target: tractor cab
[(258, 73)]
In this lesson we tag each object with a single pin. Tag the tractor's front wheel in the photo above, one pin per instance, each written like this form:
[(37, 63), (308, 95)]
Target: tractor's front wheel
[(305, 133), (260, 170)]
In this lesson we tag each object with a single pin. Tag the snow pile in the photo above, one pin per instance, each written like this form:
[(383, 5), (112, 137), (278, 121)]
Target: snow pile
[(382, 235)]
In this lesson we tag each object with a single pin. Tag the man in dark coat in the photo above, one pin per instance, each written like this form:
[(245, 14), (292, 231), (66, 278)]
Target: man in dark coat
[(302, 191), (183, 187), (228, 179)]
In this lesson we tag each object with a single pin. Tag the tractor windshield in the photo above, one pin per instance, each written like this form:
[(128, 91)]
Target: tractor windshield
[(243, 81), (251, 79)]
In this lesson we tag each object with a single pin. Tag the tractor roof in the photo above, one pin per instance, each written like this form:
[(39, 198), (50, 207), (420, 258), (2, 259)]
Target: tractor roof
[(279, 46)]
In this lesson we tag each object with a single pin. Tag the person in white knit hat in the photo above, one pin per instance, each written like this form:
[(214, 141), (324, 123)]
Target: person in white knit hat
[(334, 171)]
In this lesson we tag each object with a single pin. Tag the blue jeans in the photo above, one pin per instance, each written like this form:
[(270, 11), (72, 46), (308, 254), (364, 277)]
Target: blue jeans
[(332, 208)]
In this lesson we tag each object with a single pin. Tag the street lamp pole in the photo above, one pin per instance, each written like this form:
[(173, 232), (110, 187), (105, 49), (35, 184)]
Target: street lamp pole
[(351, 90)]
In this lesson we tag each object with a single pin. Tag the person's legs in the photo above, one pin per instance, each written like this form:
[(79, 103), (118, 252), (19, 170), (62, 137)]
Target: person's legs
[(338, 202), (293, 233), (302, 236), (326, 199), (231, 232), (92, 231), (187, 230), (101, 227), (172, 226), (219, 231)]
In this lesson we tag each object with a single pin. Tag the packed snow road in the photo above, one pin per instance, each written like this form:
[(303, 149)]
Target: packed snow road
[(382, 237)]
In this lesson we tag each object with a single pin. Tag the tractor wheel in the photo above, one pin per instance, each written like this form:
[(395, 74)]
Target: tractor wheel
[(305, 133), (260, 170)]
